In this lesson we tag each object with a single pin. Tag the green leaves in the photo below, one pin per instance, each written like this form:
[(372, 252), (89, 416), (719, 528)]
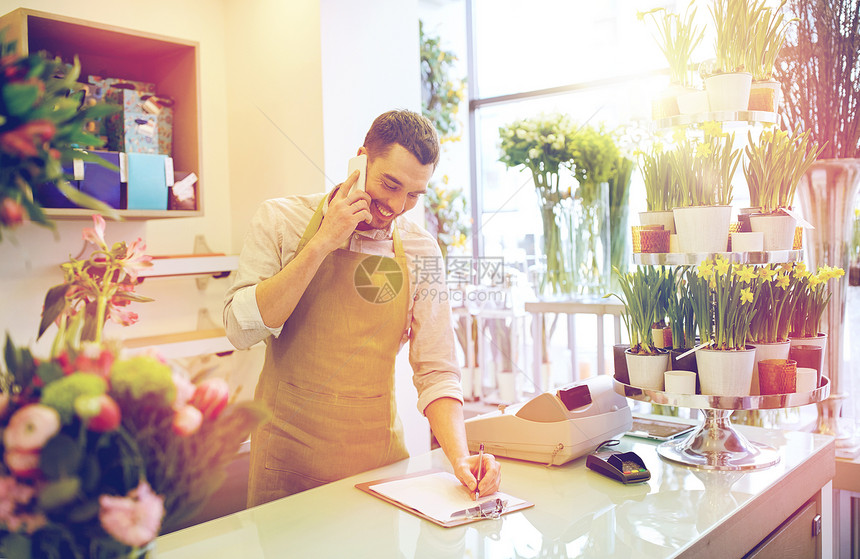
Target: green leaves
[(19, 97)]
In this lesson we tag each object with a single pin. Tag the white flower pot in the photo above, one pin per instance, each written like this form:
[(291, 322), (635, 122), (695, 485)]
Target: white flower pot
[(693, 102), (776, 350), (646, 371), (820, 340), (729, 92), (777, 230), (666, 218), (725, 373), (703, 229), (748, 242)]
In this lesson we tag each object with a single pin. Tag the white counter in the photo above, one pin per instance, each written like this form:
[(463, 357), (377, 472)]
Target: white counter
[(577, 512)]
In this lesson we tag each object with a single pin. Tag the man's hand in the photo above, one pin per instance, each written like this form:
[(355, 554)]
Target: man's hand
[(345, 211), (466, 471)]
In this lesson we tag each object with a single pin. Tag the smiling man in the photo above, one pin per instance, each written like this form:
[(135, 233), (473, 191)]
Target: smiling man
[(329, 282)]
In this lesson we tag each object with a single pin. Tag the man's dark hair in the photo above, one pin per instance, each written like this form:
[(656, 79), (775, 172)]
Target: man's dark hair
[(411, 130)]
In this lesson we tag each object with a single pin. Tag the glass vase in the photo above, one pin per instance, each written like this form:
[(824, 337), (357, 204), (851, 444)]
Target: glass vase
[(592, 250), (554, 278)]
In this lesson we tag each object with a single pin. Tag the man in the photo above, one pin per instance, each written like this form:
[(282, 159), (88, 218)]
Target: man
[(334, 314)]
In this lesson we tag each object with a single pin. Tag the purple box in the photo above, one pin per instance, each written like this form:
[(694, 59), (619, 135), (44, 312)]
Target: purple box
[(49, 196), (100, 182)]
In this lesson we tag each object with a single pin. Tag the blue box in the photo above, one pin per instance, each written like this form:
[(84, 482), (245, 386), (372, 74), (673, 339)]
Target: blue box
[(100, 182), (49, 196), (147, 182)]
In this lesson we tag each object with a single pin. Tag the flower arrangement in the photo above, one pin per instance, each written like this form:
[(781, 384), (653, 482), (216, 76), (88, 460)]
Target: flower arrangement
[(774, 166), (768, 33), (644, 296), (678, 38), (775, 304), (103, 451), (41, 125), (595, 159), (543, 146), (813, 296), (445, 211), (724, 302)]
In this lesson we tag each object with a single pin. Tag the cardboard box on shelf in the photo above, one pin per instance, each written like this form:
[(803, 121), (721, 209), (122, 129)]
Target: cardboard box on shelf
[(147, 186), (101, 182)]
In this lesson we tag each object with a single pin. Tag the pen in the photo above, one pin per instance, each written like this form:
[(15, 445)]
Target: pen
[(480, 464)]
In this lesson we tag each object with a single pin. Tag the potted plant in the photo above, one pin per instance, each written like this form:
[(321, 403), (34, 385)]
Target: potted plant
[(704, 171), (657, 174), (594, 156), (774, 166), (678, 37), (683, 324), (543, 146), (769, 33), (640, 291), (619, 195), (724, 304), (770, 327), (728, 82), (813, 295)]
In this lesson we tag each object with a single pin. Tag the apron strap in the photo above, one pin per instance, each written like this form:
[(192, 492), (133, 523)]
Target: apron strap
[(316, 221)]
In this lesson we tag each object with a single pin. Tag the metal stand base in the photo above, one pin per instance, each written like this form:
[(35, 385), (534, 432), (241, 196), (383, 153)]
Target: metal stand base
[(715, 445)]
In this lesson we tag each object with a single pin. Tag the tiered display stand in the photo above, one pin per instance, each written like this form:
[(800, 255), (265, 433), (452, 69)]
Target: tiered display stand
[(715, 444)]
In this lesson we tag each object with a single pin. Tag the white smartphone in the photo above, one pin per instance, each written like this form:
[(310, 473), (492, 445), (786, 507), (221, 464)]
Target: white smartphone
[(358, 162)]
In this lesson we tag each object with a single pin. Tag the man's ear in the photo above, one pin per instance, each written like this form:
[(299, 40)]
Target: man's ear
[(362, 150)]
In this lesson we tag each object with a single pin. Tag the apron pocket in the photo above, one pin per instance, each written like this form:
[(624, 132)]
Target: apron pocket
[(328, 436)]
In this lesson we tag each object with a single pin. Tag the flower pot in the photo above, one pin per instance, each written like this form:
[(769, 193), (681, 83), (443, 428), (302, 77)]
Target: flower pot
[(662, 337), (686, 363), (752, 241), (807, 380), (775, 350), (765, 95), (646, 371), (693, 102), (703, 229), (777, 230), (777, 376), (507, 383), (819, 340), (636, 232), (744, 218), (654, 240), (665, 105), (729, 91), (725, 373), (666, 218), (680, 382), (808, 357), (620, 361)]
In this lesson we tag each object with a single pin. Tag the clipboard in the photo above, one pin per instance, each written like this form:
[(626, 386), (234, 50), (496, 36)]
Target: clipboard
[(437, 476)]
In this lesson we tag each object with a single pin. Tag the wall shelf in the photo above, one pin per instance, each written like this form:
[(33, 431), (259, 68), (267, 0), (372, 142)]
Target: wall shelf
[(745, 117), (218, 265), (182, 344), (110, 51)]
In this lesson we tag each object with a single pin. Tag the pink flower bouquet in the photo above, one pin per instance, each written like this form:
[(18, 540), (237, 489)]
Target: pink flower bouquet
[(101, 452)]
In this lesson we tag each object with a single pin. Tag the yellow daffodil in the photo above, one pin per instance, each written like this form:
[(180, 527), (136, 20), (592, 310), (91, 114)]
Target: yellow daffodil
[(746, 295), (722, 265), (782, 281), (679, 134), (703, 150), (814, 281), (705, 270), (800, 271), (746, 273), (766, 273), (712, 128)]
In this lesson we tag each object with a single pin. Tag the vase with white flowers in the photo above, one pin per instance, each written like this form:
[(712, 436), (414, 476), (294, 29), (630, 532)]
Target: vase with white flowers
[(543, 146)]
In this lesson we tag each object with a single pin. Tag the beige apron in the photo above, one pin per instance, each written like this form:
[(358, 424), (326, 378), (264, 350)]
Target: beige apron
[(329, 376)]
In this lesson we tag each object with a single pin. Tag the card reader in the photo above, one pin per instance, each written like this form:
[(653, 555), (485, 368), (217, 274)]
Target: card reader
[(626, 467)]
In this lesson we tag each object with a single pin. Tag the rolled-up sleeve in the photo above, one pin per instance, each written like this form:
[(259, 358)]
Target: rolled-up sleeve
[(436, 373), (268, 245)]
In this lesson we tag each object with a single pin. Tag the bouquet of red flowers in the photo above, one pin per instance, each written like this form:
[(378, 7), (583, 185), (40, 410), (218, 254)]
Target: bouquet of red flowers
[(101, 451)]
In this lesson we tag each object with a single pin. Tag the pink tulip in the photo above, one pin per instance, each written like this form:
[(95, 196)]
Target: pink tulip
[(211, 397), (23, 463), (31, 427), (187, 421)]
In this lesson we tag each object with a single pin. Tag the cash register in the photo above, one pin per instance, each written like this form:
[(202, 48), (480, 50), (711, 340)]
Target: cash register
[(554, 427)]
